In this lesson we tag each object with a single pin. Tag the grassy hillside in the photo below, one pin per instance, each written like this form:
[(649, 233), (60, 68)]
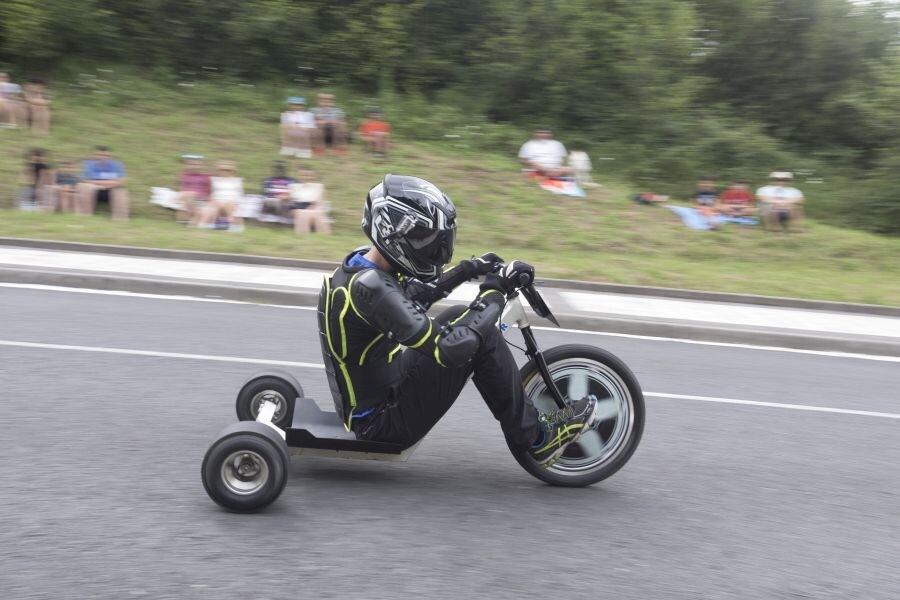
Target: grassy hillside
[(603, 237)]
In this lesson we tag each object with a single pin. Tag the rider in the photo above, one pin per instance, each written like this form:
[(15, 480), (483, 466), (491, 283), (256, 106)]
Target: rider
[(375, 304)]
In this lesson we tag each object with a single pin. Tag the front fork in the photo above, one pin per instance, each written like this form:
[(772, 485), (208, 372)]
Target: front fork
[(515, 312)]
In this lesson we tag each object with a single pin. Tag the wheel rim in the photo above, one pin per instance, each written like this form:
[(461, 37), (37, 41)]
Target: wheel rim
[(609, 436), (245, 472), (273, 396)]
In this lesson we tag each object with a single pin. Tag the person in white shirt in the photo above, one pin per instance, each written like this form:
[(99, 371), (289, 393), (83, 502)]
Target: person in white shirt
[(544, 155), (12, 107), (781, 205), (308, 203), (227, 192), (298, 126)]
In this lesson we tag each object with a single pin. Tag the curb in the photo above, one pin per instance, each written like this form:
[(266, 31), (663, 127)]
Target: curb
[(616, 288), (668, 329)]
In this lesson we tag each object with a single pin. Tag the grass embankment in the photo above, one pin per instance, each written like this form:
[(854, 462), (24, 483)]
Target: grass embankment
[(604, 237)]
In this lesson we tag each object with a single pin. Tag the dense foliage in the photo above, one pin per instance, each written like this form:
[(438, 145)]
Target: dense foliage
[(675, 88)]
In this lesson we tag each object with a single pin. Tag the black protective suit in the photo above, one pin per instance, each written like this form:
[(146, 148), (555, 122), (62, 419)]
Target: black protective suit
[(387, 393)]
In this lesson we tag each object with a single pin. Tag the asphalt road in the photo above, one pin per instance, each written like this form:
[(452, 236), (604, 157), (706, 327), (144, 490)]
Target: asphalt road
[(101, 494)]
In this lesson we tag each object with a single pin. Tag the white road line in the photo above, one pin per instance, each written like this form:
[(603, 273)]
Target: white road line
[(234, 359), (824, 409), (306, 365), (651, 338)]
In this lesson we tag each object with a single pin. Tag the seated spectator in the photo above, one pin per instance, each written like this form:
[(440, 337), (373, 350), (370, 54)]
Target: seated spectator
[(38, 106), (194, 189), (227, 192), (298, 128), (707, 198), (12, 106), (103, 182), (276, 191), (308, 204), (781, 206), (737, 200), (375, 132), (67, 181), (37, 180), (543, 155), (332, 132)]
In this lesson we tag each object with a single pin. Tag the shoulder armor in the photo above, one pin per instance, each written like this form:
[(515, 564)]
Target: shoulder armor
[(378, 298)]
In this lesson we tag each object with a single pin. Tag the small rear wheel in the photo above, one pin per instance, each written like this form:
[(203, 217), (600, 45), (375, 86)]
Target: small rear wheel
[(268, 388), (246, 468), (578, 371)]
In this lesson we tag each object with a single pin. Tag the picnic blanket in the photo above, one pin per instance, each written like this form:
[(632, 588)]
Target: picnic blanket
[(566, 186), (692, 218)]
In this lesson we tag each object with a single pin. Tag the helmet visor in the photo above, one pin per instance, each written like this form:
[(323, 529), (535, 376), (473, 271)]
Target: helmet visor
[(432, 246)]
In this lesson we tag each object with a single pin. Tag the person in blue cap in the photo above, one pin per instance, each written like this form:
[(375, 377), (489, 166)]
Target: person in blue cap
[(297, 128)]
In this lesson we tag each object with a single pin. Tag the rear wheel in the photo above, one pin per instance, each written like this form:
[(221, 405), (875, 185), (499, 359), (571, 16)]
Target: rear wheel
[(246, 468), (579, 371), (268, 388)]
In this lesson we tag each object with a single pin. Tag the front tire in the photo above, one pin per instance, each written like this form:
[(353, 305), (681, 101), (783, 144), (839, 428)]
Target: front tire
[(579, 370), (246, 468)]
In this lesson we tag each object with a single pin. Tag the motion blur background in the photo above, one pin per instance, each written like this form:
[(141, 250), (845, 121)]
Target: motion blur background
[(658, 94)]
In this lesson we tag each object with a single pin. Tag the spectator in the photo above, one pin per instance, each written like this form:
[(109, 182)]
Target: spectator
[(67, 181), (11, 105), (298, 127), (308, 203), (103, 181), (331, 124), (707, 198), (37, 179), (227, 192), (38, 107), (375, 132), (194, 189), (781, 205), (544, 155), (276, 191), (737, 200)]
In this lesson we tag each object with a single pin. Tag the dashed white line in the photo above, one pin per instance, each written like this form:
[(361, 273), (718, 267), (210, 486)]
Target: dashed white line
[(308, 365)]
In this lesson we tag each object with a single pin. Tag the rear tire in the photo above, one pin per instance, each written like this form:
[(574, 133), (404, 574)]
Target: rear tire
[(246, 468), (614, 438), (274, 388)]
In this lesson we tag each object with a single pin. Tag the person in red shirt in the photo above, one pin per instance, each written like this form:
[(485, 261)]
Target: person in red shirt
[(193, 188), (737, 200), (375, 132)]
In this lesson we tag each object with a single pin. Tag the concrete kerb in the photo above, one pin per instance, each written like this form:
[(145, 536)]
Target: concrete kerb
[(654, 328), (590, 286)]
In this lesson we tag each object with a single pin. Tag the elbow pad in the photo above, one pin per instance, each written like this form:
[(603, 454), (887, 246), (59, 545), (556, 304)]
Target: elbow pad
[(378, 298)]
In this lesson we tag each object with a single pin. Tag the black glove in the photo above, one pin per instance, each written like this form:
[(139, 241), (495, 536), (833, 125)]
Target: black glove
[(513, 276), (476, 267)]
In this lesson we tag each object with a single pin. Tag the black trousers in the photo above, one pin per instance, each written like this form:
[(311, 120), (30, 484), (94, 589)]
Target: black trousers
[(427, 391)]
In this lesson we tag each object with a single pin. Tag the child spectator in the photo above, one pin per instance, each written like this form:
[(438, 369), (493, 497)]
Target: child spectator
[(375, 132), (194, 189), (38, 107), (67, 181), (37, 179), (276, 191), (331, 124), (11, 105), (308, 204), (103, 181), (781, 205), (737, 200), (298, 127), (227, 192), (707, 198)]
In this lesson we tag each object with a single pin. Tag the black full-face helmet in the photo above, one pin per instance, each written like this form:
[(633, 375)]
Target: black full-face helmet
[(412, 223)]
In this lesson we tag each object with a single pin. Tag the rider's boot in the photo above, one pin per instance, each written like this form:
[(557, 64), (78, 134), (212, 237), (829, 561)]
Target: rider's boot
[(561, 428)]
